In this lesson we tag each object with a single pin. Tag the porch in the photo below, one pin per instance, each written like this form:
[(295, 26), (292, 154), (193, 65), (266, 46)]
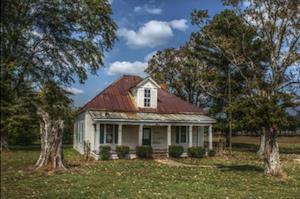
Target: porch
[(158, 136), (157, 130)]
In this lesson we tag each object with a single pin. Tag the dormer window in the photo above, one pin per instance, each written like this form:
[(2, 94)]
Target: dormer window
[(147, 97), (145, 93)]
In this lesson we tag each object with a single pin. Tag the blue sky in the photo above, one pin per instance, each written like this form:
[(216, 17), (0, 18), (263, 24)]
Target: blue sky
[(144, 27)]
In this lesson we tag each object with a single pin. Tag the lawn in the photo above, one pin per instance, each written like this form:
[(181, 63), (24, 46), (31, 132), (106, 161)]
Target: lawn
[(237, 176)]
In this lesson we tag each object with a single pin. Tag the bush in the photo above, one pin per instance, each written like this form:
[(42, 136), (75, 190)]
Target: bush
[(211, 153), (104, 152), (196, 152), (175, 151), (122, 151), (144, 151)]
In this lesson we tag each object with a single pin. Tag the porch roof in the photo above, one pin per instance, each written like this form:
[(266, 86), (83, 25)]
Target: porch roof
[(139, 117)]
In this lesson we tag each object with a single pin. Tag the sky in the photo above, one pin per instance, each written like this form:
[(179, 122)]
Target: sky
[(144, 27)]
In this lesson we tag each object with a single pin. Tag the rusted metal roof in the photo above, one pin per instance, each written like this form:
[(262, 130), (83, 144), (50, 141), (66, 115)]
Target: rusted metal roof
[(137, 117), (117, 97)]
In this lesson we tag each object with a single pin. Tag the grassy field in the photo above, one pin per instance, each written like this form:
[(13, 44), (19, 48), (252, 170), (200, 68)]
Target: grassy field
[(237, 176)]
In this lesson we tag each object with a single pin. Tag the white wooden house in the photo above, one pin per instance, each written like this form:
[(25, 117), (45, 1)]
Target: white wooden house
[(133, 111)]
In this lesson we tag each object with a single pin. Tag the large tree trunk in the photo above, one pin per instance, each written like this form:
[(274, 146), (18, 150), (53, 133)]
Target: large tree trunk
[(272, 159), (51, 130), (261, 150)]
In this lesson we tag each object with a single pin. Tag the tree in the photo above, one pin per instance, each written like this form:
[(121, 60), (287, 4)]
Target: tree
[(53, 108), (18, 115), (53, 41), (276, 24), (200, 69), (182, 74)]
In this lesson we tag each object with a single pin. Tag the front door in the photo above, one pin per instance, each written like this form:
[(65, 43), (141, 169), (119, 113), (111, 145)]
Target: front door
[(146, 136)]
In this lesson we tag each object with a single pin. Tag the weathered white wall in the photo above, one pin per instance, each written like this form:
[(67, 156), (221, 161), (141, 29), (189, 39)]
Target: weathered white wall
[(130, 136), (89, 130), (78, 120), (159, 137)]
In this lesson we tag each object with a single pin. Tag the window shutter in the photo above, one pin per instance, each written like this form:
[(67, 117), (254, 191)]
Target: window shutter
[(141, 97), (153, 102), (187, 134), (101, 133), (116, 134), (177, 135)]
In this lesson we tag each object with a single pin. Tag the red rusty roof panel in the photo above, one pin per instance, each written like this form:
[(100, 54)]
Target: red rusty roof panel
[(117, 97)]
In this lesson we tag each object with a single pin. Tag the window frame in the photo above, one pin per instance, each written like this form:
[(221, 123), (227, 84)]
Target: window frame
[(109, 133), (147, 97), (103, 134), (180, 133), (80, 132)]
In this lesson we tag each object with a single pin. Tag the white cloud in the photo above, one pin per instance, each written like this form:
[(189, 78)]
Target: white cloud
[(138, 9), (125, 67), (74, 91), (147, 9), (110, 2), (180, 24), (153, 33)]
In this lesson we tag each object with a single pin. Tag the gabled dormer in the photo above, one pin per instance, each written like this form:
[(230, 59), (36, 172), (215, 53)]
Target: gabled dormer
[(145, 93)]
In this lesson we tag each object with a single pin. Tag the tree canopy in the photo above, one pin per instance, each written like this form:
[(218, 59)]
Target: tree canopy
[(50, 41), (251, 55)]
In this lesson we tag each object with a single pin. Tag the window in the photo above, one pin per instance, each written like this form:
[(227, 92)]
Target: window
[(95, 137), (108, 134), (147, 97), (181, 135), (101, 134), (80, 132)]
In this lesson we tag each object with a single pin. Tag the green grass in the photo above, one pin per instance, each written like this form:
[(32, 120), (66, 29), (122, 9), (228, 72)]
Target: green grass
[(237, 176)]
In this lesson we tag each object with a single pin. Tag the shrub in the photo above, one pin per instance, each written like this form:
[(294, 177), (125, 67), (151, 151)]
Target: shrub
[(144, 151), (196, 152), (104, 152), (175, 151), (122, 151), (211, 153)]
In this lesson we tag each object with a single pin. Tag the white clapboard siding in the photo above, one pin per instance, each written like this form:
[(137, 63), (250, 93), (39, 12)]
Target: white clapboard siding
[(140, 95), (153, 98)]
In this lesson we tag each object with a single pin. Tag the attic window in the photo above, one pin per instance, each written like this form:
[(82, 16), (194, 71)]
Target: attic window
[(147, 97)]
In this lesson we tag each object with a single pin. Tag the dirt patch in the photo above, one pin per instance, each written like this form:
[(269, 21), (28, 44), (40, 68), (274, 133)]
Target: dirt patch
[(174, 163)]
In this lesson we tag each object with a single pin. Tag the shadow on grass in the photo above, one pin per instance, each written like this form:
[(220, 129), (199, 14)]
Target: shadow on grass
[(245, 168), (33, 147), (254, 148)]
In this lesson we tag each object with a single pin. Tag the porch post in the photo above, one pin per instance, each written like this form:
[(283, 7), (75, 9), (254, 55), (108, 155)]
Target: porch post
[(190, 136), (97, 136), (200, 136), (169, 136), (210, 146), (141, 134), (120, 134)]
